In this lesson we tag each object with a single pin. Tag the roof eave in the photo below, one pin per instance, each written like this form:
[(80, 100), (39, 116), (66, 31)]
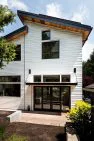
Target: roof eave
[(84, 29), (87, 36), (15, 34)]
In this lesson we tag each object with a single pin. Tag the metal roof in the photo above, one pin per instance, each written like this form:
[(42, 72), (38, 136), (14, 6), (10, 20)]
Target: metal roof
[(24, 28), (55, 20)]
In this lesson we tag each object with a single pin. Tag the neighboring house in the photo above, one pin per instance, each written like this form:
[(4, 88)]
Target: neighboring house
[(47, 71), (88, 93)]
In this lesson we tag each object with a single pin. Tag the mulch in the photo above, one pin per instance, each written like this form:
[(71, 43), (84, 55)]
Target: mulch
[(5, 113), (36, 132), (33, 132)]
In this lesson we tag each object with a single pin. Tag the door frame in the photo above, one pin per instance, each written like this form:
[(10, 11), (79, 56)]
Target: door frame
[(51, 103)]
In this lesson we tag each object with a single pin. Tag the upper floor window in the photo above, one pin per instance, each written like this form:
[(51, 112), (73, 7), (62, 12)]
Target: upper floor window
[(18, 53), (65, 78), (46, 35), (50, 50)]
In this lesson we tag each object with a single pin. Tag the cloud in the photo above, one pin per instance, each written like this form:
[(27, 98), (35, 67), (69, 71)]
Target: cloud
[(81, 15), (87, 50), (1, 34), (3, 2), (54, 9), (18, 4)]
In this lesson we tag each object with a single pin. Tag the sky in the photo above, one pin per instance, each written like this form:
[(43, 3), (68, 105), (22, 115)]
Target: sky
[(76, 10)]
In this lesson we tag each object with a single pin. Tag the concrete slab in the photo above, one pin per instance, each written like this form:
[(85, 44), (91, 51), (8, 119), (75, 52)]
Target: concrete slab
[(11, 103), (15, 116), (55, 120)]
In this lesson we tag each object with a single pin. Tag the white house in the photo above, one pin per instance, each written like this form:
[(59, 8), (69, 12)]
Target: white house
[(47, 71)]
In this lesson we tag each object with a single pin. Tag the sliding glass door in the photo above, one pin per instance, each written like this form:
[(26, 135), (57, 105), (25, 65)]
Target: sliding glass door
[(51, 98)]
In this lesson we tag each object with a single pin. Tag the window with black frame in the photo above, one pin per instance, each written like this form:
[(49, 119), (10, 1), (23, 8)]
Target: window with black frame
[(10, 79), (10, 86), (18, 53), (50, 50), (37, 78), (46, 35), (51, 78), (65, 78)]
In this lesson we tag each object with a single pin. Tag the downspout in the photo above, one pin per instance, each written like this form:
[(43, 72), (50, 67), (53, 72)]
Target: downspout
[(24, 72)]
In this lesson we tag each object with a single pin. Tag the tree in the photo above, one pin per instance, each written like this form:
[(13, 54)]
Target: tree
[(7, 49), (88, 71)]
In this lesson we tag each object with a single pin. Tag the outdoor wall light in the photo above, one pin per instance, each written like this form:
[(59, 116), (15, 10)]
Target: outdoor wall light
[(74, 70), (29, 71)]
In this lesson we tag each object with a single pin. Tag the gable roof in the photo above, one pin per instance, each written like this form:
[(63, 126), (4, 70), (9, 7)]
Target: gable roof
[(21, 31), (56, 22)]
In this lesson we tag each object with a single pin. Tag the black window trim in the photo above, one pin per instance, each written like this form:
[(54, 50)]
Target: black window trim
[(58, 49)]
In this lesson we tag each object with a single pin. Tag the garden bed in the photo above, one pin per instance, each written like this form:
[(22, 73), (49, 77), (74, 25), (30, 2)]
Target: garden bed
[(36, 132), (4, 114)]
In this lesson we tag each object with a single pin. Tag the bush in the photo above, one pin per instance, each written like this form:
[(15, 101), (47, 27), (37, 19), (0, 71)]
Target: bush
[(15, 137), (80, 116)]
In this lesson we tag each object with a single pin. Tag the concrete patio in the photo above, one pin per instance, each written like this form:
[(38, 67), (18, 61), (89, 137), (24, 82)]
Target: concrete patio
[(45, 119), (11, 103)]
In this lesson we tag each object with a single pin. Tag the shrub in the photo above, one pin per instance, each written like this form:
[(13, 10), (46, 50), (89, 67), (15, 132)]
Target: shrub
[(15, 137), (80, 116)]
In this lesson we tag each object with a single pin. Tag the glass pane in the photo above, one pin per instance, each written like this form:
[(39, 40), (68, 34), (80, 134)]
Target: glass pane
[(38, 97), (37, 78), (46, 35), (51, 78), (18, 53), (10, 90), (65, 97), (46, 98), (50, 50), (65, 78), (10, 79), (56, 98)]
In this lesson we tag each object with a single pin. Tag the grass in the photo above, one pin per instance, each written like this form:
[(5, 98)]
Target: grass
[(15, 137)]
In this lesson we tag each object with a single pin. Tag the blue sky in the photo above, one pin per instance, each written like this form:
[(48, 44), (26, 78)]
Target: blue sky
[(77, 10)]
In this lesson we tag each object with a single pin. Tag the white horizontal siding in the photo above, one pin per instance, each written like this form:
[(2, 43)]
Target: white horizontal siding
[(70, 56), (16, 68)]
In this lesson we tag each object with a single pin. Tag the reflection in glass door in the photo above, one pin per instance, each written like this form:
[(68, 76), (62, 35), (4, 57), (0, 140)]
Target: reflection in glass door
[(46, 98), (56, 98), (53, 98), (38, 98), (65, 98)]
